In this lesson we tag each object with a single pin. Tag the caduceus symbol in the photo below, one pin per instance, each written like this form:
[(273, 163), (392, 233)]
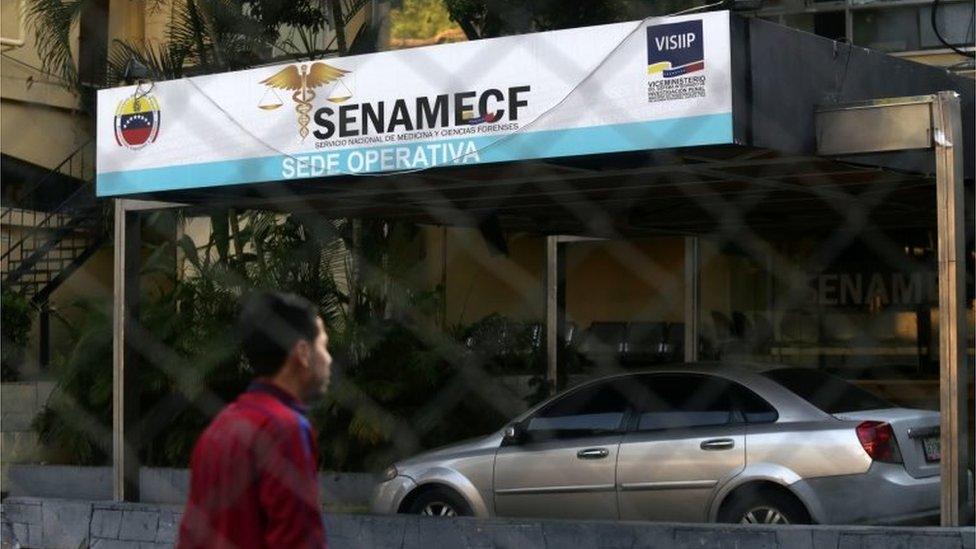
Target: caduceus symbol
[(302, 81)]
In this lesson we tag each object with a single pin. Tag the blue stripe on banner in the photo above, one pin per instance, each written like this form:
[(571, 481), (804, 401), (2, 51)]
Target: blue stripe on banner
[(474, 149)]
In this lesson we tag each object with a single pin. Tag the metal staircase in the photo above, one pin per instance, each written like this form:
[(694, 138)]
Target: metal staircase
[(46, 246)]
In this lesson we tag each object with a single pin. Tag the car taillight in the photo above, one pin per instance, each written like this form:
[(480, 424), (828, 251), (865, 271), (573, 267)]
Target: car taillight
[(878, 440)]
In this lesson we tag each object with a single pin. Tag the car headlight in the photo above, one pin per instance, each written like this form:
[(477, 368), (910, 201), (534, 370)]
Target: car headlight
[(390, 473)]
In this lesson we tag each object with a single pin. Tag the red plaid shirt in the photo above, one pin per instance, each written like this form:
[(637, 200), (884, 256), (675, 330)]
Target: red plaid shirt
[(253, 477)]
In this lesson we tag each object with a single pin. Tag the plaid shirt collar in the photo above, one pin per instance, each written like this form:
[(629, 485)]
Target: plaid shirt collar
[(267, 387)]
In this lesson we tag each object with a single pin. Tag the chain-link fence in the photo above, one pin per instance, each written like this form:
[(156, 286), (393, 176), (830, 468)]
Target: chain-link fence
[(740, 333)]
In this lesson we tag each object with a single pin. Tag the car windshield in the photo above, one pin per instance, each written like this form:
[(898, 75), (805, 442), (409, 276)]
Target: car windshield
[(831, 394)]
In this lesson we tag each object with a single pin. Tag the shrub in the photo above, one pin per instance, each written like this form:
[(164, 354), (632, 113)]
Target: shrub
[(17, 317)]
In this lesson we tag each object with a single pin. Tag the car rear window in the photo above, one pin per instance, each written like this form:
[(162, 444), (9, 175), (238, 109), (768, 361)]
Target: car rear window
[(831, 394)]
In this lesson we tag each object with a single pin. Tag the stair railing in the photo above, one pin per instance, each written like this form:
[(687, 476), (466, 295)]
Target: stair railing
[(77, 159), (66, 208)]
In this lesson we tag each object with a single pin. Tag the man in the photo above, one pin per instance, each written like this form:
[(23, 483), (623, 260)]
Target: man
[(253, 480)]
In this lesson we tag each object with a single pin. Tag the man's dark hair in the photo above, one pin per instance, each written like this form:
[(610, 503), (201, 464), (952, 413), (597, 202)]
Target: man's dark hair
[(269, 326)]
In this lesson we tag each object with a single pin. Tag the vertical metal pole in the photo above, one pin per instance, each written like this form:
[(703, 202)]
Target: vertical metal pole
[(560, 312), (848, 24), (125, 458), (552, 313), (692, 298), (443, 283), (947, 133), (44, 352)]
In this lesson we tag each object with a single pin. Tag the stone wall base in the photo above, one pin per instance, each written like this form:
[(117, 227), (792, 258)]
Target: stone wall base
[(69, 524)]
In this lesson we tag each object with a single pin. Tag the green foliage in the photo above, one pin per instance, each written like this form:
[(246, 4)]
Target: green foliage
[(380, 404), (420, 19), (17, 316), (404, 395), (77, 418), (203, 36), (190, 365), (52, 21)]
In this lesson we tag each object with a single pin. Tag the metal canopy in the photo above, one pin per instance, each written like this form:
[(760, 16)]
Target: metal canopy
[(780, 78), (677, 192)]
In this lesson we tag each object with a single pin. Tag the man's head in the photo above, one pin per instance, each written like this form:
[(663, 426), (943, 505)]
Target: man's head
[(284, 339)]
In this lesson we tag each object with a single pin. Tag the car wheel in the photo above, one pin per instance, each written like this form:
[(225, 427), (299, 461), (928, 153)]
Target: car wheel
[(765, 507), (440, 502)]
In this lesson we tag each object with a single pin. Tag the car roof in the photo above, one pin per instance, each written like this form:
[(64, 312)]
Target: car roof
[(788, 404)]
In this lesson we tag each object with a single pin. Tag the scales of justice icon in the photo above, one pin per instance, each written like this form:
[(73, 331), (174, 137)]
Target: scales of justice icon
[(302, 80)]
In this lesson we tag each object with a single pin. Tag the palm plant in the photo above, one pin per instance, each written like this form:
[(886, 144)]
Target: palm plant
[(196, 366), (15, 327), (203, 36)]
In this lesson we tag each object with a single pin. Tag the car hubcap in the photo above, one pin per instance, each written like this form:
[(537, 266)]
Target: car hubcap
[(764, 515), (438, 509)]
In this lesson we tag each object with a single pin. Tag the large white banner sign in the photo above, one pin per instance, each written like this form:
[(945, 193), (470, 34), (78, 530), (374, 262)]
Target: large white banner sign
[(660, 83)]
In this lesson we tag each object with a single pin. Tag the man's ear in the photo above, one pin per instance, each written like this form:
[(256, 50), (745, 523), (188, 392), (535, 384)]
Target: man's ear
[(302, 352)]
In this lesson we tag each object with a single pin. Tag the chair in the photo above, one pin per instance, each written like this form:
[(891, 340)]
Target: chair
[(674, 342), (645, 340), (723, 326), (798, 327), (604, 338), (741, 327), (724, 340), (761, 338), (572, 333)]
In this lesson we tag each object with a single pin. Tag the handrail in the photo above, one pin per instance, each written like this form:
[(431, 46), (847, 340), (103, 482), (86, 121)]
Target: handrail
[(56, 170), (37, 228)]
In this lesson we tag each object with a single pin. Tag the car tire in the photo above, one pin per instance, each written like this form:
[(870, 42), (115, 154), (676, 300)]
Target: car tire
[(440, 502), (764, 507)]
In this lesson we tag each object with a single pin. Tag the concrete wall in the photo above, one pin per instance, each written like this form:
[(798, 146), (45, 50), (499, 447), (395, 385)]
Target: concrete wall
[(68, 524), (21, 404), (340, 491), (36, 131), (92, 282), (480, 283), (636, 280)]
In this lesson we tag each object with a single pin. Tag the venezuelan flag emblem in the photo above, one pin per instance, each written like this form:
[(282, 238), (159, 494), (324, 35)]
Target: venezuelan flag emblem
[(137, 121)]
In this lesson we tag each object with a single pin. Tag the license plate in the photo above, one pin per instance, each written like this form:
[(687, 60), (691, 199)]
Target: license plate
[(933, 449)]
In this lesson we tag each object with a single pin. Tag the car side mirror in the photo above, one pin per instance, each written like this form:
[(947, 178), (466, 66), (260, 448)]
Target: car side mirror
[(514, 434)]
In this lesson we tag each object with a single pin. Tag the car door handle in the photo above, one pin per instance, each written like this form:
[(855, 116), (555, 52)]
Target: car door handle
[(718, 444), (593, 453)]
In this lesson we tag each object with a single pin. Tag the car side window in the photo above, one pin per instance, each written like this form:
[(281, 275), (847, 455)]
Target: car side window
[(681, 401), (588, 411), (754, 408)]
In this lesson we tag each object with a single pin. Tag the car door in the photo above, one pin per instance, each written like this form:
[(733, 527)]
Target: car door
[(564, 466), (684, 441)]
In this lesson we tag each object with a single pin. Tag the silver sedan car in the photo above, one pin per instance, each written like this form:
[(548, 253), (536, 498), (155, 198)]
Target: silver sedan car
[(689, 443)]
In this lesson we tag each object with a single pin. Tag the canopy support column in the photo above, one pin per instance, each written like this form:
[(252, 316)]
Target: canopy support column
[(926, 122), (125, 353), (125, 456), (947, 126)]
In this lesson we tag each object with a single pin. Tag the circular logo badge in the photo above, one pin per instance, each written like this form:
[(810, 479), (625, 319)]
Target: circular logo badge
[(137, 121)]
